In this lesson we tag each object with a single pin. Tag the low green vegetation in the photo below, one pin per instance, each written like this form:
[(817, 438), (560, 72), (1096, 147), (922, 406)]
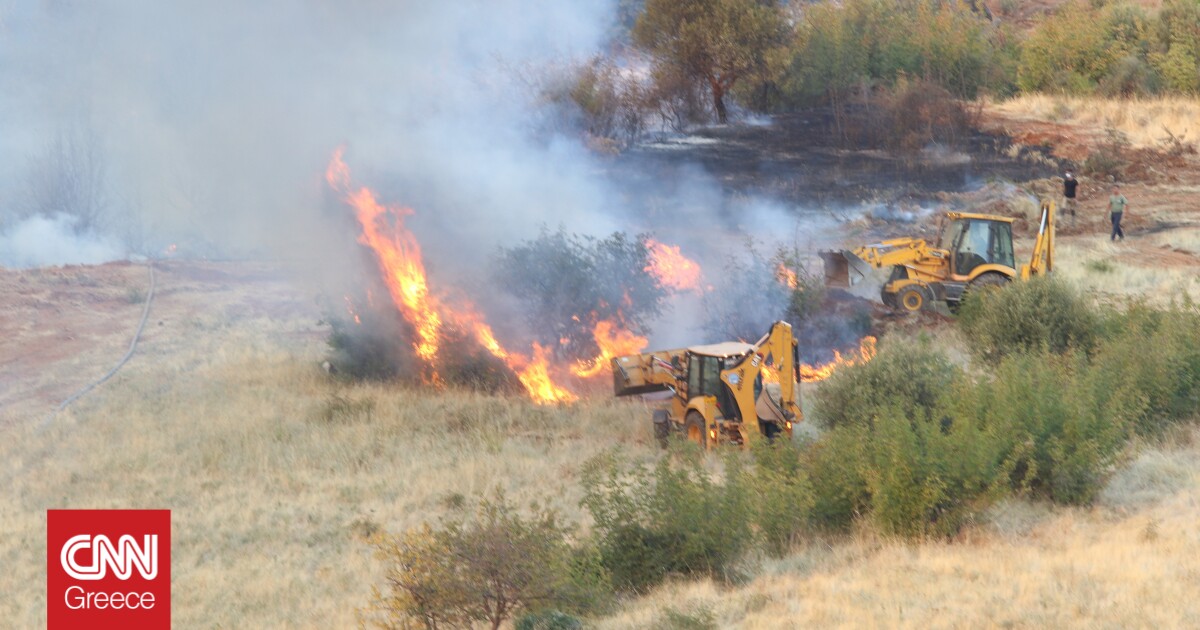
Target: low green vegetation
[(914, 444)]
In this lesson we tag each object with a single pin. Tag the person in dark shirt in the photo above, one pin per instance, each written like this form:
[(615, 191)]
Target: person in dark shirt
[(1116, 208), (1070, 184)]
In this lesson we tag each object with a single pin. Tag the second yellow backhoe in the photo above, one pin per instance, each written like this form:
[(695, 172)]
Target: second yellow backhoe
[(973, 251)]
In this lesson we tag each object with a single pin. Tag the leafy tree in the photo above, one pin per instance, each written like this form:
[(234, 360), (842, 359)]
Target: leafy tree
[(566, 283), (719, 42)]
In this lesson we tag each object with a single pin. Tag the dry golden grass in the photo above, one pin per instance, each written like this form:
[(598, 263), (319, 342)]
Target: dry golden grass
[(1131, 561), (1144, 121), (1101, 267), (275, 475)]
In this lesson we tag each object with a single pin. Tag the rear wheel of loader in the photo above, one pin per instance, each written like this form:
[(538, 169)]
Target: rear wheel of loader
[(662, 427), (986, 282), (911, 299), (694, 427)]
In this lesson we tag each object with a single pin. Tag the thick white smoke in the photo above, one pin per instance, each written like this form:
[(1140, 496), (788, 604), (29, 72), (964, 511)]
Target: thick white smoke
[(39, 241)]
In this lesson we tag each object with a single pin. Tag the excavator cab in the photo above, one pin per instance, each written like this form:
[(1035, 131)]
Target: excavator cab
[(976, 240)]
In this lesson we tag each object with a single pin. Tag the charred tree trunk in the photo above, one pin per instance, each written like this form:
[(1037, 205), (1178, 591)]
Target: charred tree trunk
[(718, 94)]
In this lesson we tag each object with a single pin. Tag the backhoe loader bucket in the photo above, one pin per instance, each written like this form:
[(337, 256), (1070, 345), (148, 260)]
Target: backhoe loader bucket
[(843, 268)]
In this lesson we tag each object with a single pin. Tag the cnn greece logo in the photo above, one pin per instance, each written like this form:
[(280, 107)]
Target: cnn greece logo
[(122, 557), (108, 569)]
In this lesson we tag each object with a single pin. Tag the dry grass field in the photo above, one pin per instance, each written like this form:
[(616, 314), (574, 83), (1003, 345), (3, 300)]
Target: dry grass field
[(277, 474), (1144, 121)]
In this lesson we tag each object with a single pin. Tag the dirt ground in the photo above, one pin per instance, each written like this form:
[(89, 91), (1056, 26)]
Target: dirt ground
[(64, 327)]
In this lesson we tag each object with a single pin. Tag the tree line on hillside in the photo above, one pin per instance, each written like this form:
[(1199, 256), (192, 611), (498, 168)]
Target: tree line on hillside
[(775, 55)]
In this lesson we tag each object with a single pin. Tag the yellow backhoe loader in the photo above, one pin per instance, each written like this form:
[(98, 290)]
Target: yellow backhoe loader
[(718, 393), (972, 251)]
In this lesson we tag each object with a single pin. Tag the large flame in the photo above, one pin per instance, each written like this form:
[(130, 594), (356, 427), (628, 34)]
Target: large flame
[(672, 269), (399, 257), (866, 352), (613, 342)]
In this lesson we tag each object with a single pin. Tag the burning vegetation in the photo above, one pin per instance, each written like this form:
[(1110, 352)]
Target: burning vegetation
[(584, 301), (581, 321)]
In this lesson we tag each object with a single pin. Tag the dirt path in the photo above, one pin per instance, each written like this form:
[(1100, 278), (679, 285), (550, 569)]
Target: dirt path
[(63, 327)]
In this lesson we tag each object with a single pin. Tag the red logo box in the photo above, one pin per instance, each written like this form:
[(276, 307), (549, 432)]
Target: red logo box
[(108, 569)]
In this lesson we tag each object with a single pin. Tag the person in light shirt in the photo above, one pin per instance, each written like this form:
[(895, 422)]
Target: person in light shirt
[(1117, 203)]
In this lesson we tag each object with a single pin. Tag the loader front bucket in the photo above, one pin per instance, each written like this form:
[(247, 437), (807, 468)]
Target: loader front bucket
[(843, 268)]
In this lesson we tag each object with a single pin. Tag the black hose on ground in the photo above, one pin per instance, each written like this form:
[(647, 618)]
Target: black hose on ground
[(132, 346)]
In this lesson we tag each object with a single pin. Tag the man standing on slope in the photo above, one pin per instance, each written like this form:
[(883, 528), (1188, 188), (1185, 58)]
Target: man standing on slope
[(1069, 203), (1116, 207)]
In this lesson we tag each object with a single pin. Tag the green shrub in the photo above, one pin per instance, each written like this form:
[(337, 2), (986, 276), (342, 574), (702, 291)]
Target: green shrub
[(1042, 313), (909, 374), (1056, 439), (781, 494), (908, 476), (483, 570), (565, 283), (833, 466), (673, 518), (1150, 370)]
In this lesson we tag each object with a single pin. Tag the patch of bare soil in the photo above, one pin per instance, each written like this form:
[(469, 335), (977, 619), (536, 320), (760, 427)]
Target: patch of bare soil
[(63, 327)]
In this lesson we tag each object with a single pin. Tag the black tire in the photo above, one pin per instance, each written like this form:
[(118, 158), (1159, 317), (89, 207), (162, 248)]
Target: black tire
[(911, 299), (694, 429), (888, 299), (662, 426), (989, 280)]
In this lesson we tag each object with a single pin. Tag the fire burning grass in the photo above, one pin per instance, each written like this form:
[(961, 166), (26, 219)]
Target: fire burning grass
[(542, 371), (398, 254)]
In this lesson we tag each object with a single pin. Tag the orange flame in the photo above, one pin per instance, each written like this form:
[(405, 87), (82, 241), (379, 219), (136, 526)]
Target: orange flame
[(787, 277), (613, 342), (535, 376), (399, 257), (672, 269), (866, 352)]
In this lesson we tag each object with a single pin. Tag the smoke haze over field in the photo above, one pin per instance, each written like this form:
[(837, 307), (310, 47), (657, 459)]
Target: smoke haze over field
[(129, 126), (213, 121)]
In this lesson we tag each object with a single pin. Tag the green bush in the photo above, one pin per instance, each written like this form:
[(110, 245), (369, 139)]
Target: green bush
[(565, 283), (909, 374), (1150, 370), (1057, 440), (673, 518), (1042, 313), (780, 493)]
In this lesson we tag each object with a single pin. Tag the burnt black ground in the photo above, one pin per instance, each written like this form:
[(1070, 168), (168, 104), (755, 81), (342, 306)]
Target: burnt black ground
[(797, 159)]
